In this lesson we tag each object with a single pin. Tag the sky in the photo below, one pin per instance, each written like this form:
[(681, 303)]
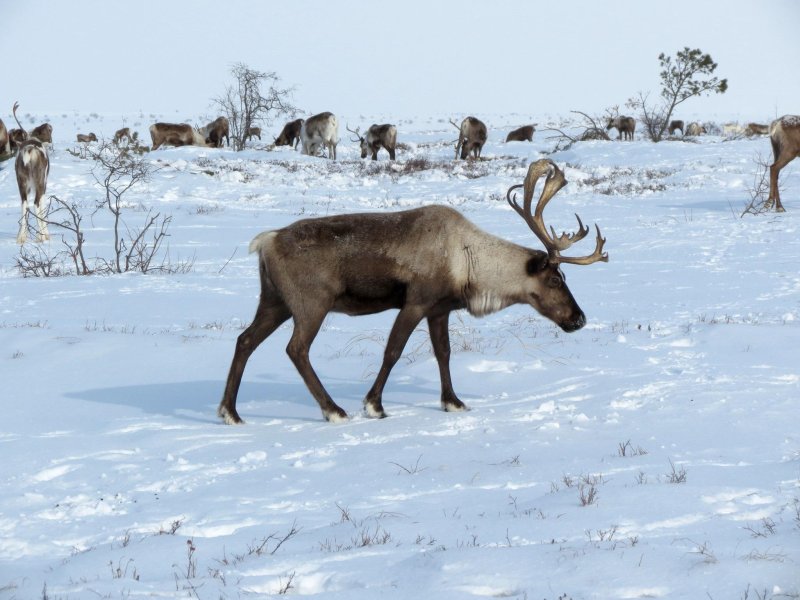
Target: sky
[(406, 59)]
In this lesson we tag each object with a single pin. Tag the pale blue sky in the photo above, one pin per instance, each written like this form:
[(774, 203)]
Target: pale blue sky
[(406, 58)]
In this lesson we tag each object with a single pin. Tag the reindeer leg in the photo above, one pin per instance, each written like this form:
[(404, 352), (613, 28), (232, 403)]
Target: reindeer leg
[(774, 192), (22, 236), (440, 340), (269, 316), (408, 318), (305, 330)]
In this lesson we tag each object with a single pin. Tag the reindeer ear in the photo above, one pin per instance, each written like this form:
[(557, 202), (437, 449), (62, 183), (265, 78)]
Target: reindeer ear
[(537, 263)]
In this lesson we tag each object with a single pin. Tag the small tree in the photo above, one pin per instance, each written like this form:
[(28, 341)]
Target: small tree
[(245, 104), (688, 74)]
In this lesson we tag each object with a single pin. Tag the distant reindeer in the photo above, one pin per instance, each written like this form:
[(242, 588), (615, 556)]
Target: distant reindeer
[(625, 126), (216, 130), (32, 167), (318, 131), (253, 132), (125, 132), (756, 129), (377, 137), (675, 126), (426, 262), (290, 134), (695, 129), (472, 136), (5, 140), (784, 134), (521, 134), (85, 138), (172, 134), (43, 133)]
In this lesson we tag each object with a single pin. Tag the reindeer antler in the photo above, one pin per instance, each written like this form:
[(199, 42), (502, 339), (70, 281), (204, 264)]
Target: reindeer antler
[(357, 133), (14, 111), (554, 244)]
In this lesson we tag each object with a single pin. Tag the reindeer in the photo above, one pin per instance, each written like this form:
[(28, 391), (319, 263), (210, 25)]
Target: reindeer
[(320, 130), (32, 167), (674, 126), (625, 126), (84, 138), (756, 129), (521, 134), (290, 134), (784, 134), (695, 129), (18, 135), (253, 132), (173, 134), (377, 136), (5, 141), (216, 130), (43, 133), (427, 262), (471, 137), (125, 132)]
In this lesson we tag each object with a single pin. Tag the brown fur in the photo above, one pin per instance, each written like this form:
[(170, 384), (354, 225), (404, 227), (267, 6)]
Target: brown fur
[(43, 133), (125, 132), (426, 262), (16, 137), (377, 137), (5, 140), (253, 132), (674, 126), (32, 167), (290, 134), (756, 129), (87, 137), (472, 136), (625, 126), (216, 130), (784, 134), (521, 134), (173, 134)]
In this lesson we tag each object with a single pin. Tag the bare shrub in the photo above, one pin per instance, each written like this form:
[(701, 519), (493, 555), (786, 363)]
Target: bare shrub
[(758, 191)]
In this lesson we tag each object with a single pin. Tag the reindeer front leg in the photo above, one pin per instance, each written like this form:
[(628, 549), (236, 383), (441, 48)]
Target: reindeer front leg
[(440, 340), (408, 318)]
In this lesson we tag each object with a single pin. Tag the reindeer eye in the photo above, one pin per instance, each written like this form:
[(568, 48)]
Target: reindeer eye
[(555, 282)]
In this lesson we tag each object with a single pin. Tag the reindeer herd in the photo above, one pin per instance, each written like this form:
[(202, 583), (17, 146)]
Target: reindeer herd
[(425, 262)]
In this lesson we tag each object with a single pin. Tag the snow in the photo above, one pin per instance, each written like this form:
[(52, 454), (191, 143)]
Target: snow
[(653, 454)]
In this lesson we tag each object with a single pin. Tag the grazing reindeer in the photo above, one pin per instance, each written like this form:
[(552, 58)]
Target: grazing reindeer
[(43, 133), (695, 129), (521, 134), (253, 132), (427, 262), (32, 167), (625, 126), (377, 136), (290, 134), (320, 130), (756, 129), (172, 134), (674, 126), (125, 132), (82, 137), (471, 137), (216, 130), (784, 133)]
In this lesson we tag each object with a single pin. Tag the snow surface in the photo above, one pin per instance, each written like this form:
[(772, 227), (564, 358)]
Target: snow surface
[(653, 454)]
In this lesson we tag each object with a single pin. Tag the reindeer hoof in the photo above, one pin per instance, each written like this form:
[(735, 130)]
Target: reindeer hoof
[(454, 405), (374, 412), (336, 415), (230, 417)]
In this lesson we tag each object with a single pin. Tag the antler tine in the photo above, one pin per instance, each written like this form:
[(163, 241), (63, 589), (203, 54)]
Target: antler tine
[(597, 256), (565, 240), (357, 132)]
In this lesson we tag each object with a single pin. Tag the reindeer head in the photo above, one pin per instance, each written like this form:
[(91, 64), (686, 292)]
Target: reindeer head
[(360, 139), (548, 292)]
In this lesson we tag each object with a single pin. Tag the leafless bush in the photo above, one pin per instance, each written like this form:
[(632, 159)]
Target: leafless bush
[(676, 475), (759, 202), (592, 130)]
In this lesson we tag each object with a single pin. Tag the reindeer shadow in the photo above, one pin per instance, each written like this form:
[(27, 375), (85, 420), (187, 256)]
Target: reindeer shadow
[(197, 401)]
